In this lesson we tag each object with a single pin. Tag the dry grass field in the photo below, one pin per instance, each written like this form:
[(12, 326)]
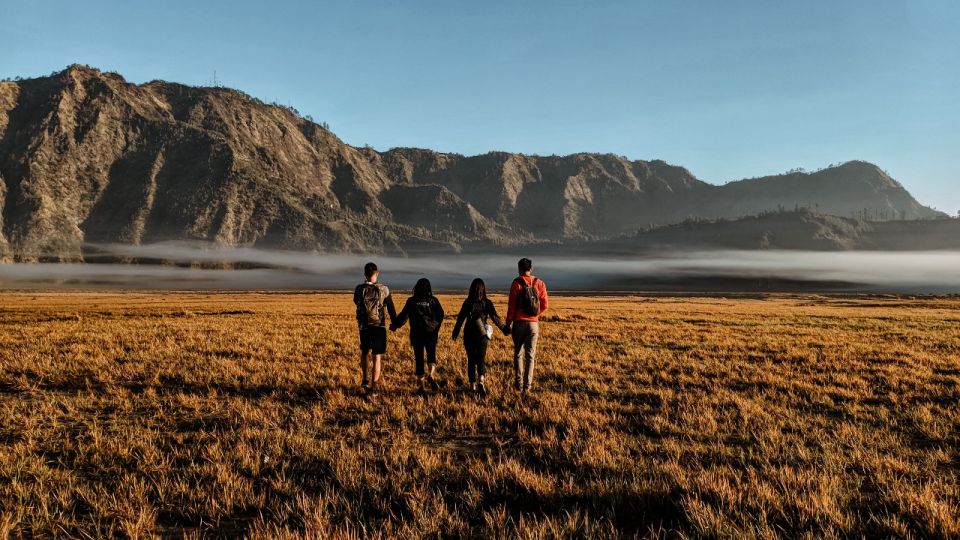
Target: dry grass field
[(172, 414)]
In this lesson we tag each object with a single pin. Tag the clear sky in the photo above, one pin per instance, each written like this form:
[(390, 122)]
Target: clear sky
[(729, 89)]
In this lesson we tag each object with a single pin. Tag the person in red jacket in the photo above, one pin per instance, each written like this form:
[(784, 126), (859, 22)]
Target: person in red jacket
[(528, 301)]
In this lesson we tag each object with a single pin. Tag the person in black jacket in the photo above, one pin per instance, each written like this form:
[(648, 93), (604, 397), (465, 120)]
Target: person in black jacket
[(425, 314), (476, 309)]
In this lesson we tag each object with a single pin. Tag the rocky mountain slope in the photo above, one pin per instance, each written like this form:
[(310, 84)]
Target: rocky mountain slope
[(599, 195), (86, 157)]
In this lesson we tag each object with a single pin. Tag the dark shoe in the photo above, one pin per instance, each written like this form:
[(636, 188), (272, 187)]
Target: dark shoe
[(482, 390), (433, 384)]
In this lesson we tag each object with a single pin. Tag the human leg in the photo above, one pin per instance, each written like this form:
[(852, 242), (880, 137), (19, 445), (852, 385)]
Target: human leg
[(431, 349), (481, 353), (471, 361), (364, 355), (530, 354), (377, 368), (364, 365), (418, 352), (378, 347), (519, 334)]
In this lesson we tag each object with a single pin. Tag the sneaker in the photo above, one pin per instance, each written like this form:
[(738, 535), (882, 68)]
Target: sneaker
[(433, 384), (482, 390)]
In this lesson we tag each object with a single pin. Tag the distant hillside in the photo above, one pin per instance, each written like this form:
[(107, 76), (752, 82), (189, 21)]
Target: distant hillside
[(599, 195), (793, 230), (853, 189), (86, 157)]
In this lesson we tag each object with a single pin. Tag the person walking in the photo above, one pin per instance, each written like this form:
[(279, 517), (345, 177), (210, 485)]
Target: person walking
[(425, 314), (372, 300), (477, 309), (527, 302)]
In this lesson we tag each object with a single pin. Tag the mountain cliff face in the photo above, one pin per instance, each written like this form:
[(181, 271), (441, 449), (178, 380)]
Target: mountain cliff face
[(582, 195), (86, 157)]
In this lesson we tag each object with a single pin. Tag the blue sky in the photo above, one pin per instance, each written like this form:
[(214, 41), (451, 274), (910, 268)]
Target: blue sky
[(729, 89)]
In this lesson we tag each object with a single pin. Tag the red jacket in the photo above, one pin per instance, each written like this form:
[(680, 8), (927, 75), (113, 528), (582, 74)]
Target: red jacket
[(514, 313)]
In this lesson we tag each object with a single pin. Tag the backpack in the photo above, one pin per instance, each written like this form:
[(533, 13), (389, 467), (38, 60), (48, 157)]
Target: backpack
[(529, 300), (371, 309), (424, 311), (478, 317)]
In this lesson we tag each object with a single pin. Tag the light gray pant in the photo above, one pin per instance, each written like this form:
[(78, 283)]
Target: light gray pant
[(525, 336)]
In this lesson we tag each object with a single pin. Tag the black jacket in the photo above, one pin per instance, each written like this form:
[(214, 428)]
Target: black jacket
[(472, 311), (410, 311)]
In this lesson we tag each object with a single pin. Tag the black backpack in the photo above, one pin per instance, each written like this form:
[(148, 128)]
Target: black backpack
[(371, 308), (529, 300), (424, 310)]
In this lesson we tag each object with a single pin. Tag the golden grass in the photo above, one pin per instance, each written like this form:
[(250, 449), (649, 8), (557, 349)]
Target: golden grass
[(225, 414)]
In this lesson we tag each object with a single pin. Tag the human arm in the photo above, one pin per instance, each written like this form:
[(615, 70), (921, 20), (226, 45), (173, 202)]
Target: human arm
[(542, 293), (492, 313), (438, 311), (512, 302), (357, 300), (401, 318), (388, 302), (460, 318)]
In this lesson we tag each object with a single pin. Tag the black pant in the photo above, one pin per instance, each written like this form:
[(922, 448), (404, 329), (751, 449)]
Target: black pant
[(424, 343), (476, 347), (373, 339)]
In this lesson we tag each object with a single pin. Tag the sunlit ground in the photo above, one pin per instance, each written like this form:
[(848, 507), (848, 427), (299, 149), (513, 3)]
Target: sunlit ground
[(223, 414)]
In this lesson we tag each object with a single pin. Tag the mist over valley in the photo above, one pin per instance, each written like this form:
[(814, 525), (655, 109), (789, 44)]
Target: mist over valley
[(195, 266)]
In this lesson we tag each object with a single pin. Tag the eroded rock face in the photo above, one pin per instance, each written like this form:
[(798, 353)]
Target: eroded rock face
[(86, 157)]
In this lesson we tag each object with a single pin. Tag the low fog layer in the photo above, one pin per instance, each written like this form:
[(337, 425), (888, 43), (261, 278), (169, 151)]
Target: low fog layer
[(910, 272)]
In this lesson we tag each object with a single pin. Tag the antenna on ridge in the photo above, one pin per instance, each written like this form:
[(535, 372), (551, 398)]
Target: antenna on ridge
[(216, 81)]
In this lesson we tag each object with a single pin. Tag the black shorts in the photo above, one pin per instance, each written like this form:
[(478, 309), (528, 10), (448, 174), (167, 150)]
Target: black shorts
[(373, 339)]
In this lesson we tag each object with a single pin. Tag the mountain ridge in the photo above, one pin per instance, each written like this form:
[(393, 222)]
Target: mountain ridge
[(87, 157)]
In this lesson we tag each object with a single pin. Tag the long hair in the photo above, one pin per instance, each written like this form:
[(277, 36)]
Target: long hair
[(478, 291), (422, 289)]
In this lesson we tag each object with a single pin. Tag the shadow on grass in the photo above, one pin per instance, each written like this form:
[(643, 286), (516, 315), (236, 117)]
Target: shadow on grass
[(167, 385)]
